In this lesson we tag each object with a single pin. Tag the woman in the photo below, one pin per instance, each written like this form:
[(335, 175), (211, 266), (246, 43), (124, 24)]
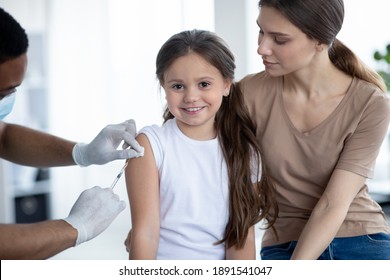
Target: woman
[(321, 118)]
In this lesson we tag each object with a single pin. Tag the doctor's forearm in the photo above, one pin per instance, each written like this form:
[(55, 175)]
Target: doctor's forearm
[(26, 146), (35, 241)]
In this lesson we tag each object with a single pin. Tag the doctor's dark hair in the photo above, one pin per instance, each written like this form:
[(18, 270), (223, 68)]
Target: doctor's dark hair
[(321, 20), (13, 38), (248, 202)]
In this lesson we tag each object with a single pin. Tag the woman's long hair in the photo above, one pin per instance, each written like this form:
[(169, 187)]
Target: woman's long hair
[(322, 20), (250, 200)]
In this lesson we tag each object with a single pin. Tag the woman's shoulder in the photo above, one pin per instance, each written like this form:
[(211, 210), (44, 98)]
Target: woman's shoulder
[(368, 99), (255, 78), (365, 87), (259, 82), (370, 94)]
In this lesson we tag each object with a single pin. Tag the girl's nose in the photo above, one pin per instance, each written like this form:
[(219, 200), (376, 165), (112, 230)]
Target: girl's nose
[(191, 95)]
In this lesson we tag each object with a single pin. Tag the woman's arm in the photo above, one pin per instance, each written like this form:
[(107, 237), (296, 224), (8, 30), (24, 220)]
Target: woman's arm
[(343, 186), (36, 241), (142, 181), (328, 214), (248, 252)]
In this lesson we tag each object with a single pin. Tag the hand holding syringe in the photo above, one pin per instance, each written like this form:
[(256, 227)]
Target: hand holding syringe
[(123, 168)]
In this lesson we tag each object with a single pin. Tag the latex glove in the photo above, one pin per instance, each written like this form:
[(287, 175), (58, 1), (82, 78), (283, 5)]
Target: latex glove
[(103, 148), (93, 212)]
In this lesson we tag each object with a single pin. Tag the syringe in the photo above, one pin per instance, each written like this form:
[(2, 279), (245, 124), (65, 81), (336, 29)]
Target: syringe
[(118, 176)]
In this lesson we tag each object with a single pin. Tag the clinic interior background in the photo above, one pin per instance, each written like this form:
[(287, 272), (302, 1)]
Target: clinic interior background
[(96, 66)]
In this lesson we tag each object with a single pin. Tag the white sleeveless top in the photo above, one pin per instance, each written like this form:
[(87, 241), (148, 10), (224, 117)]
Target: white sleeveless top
[(193, 194)]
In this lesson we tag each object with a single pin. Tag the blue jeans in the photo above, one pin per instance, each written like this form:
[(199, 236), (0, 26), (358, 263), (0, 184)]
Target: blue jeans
[(364, 247)]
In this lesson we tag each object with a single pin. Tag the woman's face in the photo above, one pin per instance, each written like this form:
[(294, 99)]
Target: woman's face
[(283, 47)]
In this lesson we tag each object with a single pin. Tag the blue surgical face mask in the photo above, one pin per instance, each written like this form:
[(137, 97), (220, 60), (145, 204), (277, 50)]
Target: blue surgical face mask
[(6, 105)]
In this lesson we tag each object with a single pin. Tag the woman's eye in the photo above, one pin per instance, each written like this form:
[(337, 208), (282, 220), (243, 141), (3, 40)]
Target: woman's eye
[(280, 41)]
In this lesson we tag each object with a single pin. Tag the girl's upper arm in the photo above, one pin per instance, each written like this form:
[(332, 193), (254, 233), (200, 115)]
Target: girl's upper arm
[(142, 181)]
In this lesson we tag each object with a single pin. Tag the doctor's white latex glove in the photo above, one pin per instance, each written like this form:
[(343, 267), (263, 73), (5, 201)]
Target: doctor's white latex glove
[(103, 148), (93, 212)]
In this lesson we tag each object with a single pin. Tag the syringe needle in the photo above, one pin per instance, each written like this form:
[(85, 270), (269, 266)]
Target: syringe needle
[(118, 176)]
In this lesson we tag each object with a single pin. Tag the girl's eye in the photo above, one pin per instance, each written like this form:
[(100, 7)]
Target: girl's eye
[(204, 84), (177, 86)]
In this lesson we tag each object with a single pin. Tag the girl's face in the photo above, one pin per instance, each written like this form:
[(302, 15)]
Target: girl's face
[(194, 90), (283, 47)]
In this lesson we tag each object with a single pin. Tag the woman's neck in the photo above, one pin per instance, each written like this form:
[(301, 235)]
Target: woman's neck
[(318, 79)]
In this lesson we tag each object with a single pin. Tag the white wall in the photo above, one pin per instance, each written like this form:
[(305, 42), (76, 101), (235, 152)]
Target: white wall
[(366, 27)]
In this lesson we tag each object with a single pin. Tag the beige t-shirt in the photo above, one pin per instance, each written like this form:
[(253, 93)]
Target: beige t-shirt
[(300, 164)]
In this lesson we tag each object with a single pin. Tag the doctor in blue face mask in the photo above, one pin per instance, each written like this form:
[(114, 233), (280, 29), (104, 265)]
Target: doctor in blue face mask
[(97, 207), (6, 104)]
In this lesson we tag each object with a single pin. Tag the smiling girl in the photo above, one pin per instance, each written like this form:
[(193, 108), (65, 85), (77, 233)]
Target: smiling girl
[(198, 192)]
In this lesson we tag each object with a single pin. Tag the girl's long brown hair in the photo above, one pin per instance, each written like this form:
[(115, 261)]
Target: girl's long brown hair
[(250, 200), (322, 20)]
